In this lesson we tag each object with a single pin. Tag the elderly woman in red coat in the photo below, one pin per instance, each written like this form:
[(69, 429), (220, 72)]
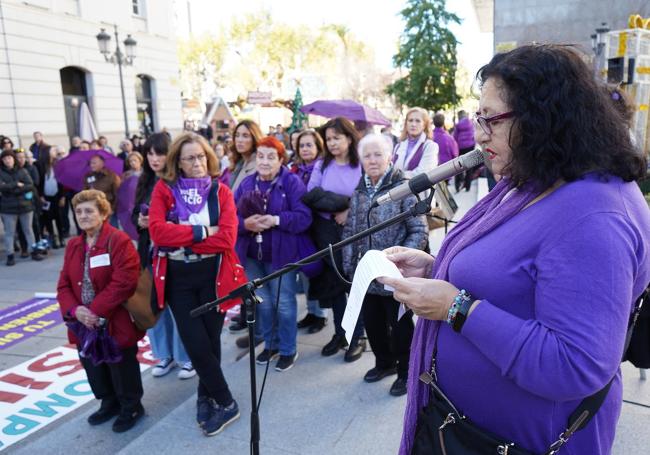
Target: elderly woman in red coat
[(100, 272)]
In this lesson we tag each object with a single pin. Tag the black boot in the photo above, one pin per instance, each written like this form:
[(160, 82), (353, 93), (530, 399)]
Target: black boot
[(10, 260), (128, 418), (36, 256), (108, 409), (336, 343), (355, 350), (317, 325)]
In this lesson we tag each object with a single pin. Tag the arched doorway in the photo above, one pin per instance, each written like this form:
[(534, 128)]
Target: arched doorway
[(144, 95), (75, 92)]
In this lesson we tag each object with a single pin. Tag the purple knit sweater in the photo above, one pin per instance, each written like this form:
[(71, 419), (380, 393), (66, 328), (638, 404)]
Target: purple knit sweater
[(556, 282)]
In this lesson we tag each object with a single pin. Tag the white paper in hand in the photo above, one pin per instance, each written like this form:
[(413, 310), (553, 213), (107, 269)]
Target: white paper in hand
[(373, 264)]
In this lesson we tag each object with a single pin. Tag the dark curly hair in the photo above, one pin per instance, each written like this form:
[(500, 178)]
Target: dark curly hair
[(342, 126), (566, 123)]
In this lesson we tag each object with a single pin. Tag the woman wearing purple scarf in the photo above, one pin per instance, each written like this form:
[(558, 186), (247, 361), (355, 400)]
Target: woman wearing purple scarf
[(526, 306), (309, 148)]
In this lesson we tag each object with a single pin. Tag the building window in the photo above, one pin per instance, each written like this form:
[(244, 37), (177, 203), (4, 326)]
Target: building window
[(138, 7)]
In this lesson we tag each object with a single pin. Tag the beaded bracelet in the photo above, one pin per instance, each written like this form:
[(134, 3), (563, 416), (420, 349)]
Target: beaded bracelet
[(461, 298)]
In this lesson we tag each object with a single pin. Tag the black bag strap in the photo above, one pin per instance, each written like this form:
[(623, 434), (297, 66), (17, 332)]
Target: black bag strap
[(590, 405)]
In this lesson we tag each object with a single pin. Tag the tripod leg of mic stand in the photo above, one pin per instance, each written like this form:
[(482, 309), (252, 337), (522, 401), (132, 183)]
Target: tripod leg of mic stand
[(250, 303)]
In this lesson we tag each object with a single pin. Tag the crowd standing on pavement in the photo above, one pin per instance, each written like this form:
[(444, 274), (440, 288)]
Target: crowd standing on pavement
[(211, 213)]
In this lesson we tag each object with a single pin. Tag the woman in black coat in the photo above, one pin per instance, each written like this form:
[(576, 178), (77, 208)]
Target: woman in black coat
[(17, 191)]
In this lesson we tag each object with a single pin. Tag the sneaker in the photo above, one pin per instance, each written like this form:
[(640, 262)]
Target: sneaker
[(286, 362), (163, 367), (267, 355), (242, 342), (306, 321), (127, 419), (238, 325), (187, 371), (220, 417), (36, 256), (203, 410)]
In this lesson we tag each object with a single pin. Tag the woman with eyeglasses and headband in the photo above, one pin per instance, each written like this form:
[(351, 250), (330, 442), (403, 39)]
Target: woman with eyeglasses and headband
[(525, 309), (193, 226)]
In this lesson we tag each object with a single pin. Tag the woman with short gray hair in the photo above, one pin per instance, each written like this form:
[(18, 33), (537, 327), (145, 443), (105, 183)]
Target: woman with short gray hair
[(389, 338)]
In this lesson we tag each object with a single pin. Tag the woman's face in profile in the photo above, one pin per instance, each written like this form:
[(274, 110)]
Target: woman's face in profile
[(497, 144)]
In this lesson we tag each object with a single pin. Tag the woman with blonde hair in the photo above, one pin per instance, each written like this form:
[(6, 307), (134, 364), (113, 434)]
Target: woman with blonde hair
[(416, 153), (193, 226)]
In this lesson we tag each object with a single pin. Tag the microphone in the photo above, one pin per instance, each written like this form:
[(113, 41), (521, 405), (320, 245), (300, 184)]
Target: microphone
[(426, 180)]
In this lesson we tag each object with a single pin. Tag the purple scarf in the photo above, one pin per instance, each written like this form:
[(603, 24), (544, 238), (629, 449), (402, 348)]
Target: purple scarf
[(191, 195), (484, 217), (304, 171)]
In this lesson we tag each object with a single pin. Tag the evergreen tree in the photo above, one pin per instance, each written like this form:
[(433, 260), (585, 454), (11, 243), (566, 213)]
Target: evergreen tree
[(428, 50)]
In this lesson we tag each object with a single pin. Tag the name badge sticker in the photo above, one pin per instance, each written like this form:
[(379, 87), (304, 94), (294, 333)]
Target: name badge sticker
[(100, 260)]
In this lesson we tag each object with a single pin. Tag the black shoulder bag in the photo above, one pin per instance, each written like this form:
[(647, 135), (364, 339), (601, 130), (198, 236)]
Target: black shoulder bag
[(442, 429)]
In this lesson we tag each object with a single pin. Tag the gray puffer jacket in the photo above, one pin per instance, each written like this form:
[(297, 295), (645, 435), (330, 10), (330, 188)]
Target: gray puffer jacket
[(15, 199), (412, 233)]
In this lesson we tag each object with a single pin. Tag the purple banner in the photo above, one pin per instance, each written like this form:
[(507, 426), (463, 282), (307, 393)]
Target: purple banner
[(22, 321)]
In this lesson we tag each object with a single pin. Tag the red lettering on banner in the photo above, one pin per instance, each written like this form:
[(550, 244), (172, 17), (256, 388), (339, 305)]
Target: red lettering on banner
[(10, 397), (24, 381), (39, 365)]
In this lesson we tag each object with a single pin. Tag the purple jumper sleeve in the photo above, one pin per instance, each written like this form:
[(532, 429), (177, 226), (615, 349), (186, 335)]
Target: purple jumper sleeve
[(583, 299)]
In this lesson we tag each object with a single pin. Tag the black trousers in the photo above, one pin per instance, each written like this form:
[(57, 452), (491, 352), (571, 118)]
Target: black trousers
[(190, 285), (51, 217), (389, 338), (117, 381), (464, 179)]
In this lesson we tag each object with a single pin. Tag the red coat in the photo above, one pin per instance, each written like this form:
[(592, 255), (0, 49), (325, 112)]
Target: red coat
[(113, 283), (231, 274)]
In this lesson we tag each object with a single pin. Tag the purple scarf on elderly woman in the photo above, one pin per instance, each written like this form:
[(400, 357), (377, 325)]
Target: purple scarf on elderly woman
[(484, 217)]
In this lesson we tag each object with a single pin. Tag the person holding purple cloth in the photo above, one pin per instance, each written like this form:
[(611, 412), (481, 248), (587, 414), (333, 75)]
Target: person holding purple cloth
[(525, 309), (273, 225), (330, 187)]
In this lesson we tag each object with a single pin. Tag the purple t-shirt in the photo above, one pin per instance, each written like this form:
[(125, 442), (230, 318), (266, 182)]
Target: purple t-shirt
[(557, 284), (338, 178)]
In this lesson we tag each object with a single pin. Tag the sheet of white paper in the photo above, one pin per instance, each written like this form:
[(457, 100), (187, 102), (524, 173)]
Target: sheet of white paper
[(373, 264)]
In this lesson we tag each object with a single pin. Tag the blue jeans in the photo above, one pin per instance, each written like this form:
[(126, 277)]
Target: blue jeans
[(165, 341), (312, 305), (278, 324)]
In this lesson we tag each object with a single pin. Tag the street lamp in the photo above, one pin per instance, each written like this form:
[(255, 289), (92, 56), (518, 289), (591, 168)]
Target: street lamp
[(598, 45), (119, 58)]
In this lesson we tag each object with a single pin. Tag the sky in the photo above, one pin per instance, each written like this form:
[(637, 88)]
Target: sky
[(377, 22)]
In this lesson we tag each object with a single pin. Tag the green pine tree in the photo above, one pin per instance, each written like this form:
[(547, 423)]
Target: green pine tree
[(299, 117), (428, 51)]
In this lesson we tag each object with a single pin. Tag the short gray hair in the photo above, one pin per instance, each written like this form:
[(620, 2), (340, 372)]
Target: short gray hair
[(384, 143)]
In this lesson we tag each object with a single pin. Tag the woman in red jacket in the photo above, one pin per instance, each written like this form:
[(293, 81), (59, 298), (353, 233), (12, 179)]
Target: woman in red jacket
[(193, 225), (100, 272)]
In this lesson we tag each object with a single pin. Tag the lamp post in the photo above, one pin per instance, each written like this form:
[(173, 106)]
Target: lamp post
[(119, 58), (598, 46)]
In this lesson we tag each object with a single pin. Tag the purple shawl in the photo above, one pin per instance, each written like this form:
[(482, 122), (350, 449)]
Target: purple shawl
[(484, 217)]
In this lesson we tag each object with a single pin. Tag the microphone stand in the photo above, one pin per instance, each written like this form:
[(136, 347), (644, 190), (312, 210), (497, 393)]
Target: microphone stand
[(247, 293)]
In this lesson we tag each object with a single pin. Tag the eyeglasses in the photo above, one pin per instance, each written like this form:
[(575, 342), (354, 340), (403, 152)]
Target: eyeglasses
[(484, 122), (192, 159)]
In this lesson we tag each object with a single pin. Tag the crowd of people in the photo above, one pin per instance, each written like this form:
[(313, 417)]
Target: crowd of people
[(207, 216), (494, 331)]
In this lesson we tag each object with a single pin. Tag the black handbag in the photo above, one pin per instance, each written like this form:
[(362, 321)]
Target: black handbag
[(442, 429)]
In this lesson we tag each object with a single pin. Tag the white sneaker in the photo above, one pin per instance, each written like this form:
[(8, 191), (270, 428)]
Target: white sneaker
[(163, 367), (187, 371)]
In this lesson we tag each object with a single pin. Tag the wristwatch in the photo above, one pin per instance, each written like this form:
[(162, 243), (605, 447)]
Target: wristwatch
[(461, 315)]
